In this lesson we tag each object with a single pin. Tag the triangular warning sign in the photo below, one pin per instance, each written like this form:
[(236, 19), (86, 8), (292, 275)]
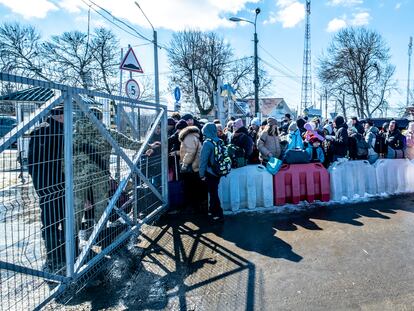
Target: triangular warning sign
[(130, 62)]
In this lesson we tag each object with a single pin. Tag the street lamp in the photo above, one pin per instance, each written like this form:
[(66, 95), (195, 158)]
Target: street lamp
[(256, 66), (157, 82)]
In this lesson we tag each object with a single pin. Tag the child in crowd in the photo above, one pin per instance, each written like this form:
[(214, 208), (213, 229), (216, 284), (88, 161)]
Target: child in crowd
[(315, 150)]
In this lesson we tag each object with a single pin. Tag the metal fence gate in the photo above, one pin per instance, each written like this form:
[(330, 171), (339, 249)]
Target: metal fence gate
[(80, 173)]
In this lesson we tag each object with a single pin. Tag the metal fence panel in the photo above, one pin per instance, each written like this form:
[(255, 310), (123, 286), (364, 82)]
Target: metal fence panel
[(81, 180)]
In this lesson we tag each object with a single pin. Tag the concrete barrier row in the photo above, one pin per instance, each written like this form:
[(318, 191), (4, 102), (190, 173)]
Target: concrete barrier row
[(251, 188)]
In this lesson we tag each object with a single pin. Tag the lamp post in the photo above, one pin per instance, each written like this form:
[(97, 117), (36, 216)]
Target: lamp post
[(157, 82), (256, 64)]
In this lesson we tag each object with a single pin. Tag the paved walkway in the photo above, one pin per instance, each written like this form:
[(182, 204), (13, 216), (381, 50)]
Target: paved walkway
[(351, 257)]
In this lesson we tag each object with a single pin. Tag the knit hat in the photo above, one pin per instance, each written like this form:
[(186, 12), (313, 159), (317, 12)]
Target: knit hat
[(255, 121), (309, 126), (181, 125), (171, 122), (187, 117), (292, 127), (230, 124), (271, 121), (238, 124)]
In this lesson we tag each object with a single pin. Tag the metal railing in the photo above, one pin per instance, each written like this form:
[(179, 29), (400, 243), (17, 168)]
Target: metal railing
[(77, 187)]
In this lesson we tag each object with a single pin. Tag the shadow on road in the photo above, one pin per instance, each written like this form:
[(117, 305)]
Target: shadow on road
[(185, 262)]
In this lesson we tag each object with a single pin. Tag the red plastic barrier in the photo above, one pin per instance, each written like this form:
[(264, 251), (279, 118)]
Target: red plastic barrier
[(300, 182)]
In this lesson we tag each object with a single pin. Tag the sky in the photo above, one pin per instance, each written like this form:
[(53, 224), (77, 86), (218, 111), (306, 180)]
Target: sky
[(280, 28)]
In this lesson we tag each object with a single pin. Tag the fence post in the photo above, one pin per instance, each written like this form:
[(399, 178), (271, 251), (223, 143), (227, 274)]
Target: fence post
[(164, 156), (69, 202)]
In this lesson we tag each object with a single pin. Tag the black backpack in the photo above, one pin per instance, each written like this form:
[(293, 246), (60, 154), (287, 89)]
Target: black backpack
[(380, 145), (362, 146)]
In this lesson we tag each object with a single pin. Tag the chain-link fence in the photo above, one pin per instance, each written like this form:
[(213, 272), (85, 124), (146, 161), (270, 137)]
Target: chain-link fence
[(79, 173)]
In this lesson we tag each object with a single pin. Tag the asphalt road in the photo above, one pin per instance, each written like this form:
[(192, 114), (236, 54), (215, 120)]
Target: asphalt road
[(348, 257)]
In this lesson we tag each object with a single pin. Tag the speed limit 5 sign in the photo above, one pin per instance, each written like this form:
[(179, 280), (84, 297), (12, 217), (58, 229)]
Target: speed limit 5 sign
[(132, 89)]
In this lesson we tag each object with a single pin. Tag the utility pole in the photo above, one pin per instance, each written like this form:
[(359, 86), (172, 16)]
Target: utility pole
[(326, 103), (306, 95), (410, 51), (156, 73), (256, 59)]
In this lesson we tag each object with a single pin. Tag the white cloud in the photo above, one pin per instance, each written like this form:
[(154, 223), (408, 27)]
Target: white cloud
[(360, 19), (171, 14), (345, 2), (336, 24), (398, 5), (290, 13), (30, 8)]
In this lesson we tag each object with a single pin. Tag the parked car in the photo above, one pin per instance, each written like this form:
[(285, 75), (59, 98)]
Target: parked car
[(7, 123)]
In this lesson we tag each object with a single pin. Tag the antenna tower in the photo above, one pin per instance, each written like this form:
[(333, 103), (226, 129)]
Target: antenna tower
[(306, 95), (410, 51)]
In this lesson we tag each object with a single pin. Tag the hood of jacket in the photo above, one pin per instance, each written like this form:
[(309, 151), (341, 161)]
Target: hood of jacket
[(374, 130), (210, 130), (339, 120), (187, 131)]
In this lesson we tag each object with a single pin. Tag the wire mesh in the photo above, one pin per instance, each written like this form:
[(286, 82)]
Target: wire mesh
[(115, 170)]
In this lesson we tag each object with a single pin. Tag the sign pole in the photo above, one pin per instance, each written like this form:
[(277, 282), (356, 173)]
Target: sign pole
[(157, 81)]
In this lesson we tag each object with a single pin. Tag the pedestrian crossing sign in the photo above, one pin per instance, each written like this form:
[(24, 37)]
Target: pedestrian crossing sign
[(130, 62)]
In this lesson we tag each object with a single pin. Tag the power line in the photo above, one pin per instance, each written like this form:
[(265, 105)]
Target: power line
[(279, 70), (121, 21), (277, 61)]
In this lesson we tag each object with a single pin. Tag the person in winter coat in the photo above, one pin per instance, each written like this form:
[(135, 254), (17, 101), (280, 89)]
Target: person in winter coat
[(190, 164), (327, 146), (301, 126), (45, 166), (395, 141), (315, 150), (311, 131), (91, 174), (174, 146), (241, 138), (340, 140), (355, 145), (206, 172), (269, 142), (294, 138), (359, 127), (254, 134), (371, 133), (220, 133), (409, 136), (228, 130), (287, 120)]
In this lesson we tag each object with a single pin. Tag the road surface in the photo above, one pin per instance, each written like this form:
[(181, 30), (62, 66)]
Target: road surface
[(348, 257)]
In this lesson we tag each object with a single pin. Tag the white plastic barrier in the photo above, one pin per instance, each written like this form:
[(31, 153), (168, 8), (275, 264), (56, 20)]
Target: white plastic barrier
[(352, 180), (394, 176), (246, 188)]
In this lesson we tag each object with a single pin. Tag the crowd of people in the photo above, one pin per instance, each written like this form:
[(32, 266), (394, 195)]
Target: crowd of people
[(297, 141), (199, 154)]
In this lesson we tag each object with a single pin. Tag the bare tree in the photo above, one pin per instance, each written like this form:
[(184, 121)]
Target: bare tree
[(357, 66), (70, 57), (20, 50), (199, 59), (104, 48), (241, 76)]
